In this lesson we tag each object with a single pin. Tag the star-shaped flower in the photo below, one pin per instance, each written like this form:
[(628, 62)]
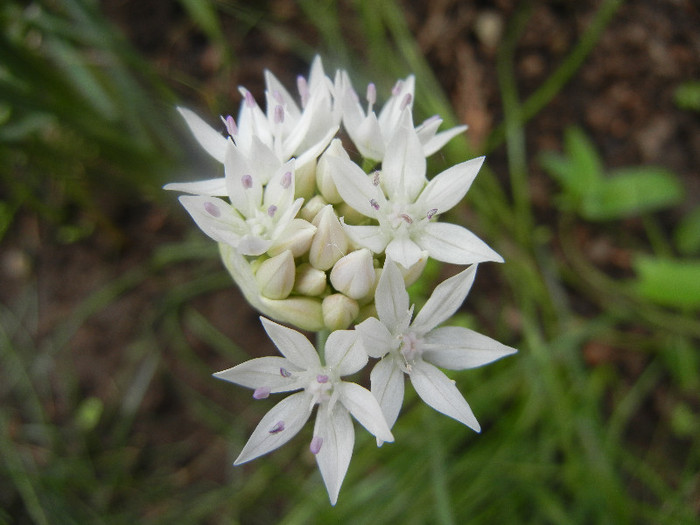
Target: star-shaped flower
[(318, 384), (418, 348), (404, 203), (371, 134)]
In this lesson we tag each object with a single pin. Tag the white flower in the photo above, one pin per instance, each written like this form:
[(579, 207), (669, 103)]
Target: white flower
[(258, 215), (371, 134), (417, 348), (301, 369), (404, 203)]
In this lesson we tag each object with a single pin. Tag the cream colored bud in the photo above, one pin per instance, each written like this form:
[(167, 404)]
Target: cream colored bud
[(412, 274), (309, 280), (330, 242), (314, 205), (296, 237), (353, 274), (303, 312), (339, 311), (275, 276), (305, 180), (324, 180)]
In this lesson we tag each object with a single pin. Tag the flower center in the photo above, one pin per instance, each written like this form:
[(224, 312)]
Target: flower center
[(320, 387), (410, 349)]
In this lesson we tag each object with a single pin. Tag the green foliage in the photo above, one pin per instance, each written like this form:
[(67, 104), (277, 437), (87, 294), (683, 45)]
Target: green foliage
[(687, 96), (687, 233), (623, 193), (674, 283)]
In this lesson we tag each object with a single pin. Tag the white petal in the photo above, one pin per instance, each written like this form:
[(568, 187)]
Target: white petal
[(445, 300), (344, 352), (387, 384), (438, 391), (458, 348), (216, 218), (364, 407), (404, 251), (403, 168), (243, 188), (210, 187), (279, 191), (211, 140), (338, 435), (454, 244), (370, 237), (391, 298), (292, 344), (275, 88), (376, 338), (449, 187), (390, 115), (442, 138), (276, 373), (292, 412), (354, 185), (368, 138)]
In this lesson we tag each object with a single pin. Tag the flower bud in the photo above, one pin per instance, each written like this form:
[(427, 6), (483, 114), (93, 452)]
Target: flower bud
[(353, 274), (275, 276), (329, 243), (314, 205), (303, 312), (324, 180), (350, 215), (296, 237), (305, 180), (339, 311), (309, 280), (412, 274)]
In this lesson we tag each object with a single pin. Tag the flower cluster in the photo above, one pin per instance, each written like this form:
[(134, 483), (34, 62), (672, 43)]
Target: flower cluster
[(317, 241)]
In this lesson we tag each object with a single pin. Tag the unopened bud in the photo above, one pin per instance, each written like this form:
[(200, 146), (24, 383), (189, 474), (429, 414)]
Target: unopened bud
[(350, 214), (303, 312), (412, 274), (324, 179), (353, 274), (339, 311), (275, 276), (309, 280), (329, 243), (296, 237), (314, 205), (305, 180)]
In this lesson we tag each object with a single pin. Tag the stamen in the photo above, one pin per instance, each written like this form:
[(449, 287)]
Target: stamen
[(303, 87), (406, 101), (278, 96), (322, 378), (271, 210), (279, 114), (231, 127), (406, 218), (397, 88), (247, 181), (374, 204), (279, 427), (261, 393), (250, 100), (285, 373), (371, 95), (315, 446), (212, 209), (432, 213), (375, 179), (286, 180)]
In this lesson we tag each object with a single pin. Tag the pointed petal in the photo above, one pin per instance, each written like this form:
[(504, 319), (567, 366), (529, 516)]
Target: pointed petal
[(438, 391), (370, 237), (279, 191), (244, 189), (211, 140), (445, 300), (403, 168), (404, 251), (438, 141), (292, 412), (216, 218), (391, 298), (292, 344), (454, 244), (364, 407), (276, 89), (376, 338), (354, 185), (457, 348), (345, 352), (368, 138), (276, 373), (449, 187), (335, 429), (210, 187), (387, 384)]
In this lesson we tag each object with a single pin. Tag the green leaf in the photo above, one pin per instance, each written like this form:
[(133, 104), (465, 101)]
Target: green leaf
[(674, 283), (687, 96), (632, 191), (587, 170), (687, 234)]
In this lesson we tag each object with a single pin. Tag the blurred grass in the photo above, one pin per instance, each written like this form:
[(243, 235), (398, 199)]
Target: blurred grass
[(563, 440)]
